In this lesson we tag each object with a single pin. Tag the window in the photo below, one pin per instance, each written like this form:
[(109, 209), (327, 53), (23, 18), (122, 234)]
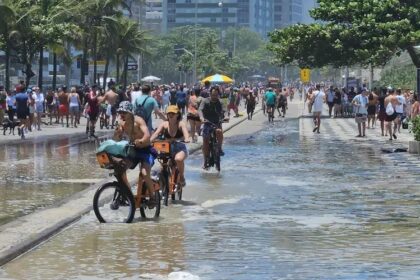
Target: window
[(213, 20)]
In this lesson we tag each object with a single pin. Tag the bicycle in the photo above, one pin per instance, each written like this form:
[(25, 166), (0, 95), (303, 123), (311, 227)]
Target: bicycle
[(270, 113), (168, 175), (214, 151), (115, 201)]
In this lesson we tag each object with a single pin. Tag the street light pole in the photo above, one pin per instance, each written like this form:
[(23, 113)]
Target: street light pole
[(195, 43), (221, 25)]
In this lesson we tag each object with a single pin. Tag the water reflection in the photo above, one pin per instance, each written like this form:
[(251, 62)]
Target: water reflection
[(40, 173), (289, 209)]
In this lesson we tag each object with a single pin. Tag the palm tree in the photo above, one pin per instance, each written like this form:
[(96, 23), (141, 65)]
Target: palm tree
[(7, 21), (131, 40), (91, 20)]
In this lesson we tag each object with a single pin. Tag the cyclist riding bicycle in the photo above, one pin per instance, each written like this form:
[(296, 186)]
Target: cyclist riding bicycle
[(270, 100), (135, 128), (211, 111), (175, 129)]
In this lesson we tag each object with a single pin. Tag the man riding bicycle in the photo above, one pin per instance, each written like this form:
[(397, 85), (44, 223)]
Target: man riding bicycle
[(211, 113), (270, 101), (138, 134)]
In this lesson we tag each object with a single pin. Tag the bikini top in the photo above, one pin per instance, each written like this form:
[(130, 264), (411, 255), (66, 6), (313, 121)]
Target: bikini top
[(178, 134)]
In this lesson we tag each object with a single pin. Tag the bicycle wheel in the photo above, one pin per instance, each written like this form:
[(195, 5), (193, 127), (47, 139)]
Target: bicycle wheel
[(113, 204), (147, 210), (174, 180), (216, 155), (164, 186)]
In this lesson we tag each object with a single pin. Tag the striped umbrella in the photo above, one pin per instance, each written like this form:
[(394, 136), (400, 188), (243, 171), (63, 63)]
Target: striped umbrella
[(217, 78)]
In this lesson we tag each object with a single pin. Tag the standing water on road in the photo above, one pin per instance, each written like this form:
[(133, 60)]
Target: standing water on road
[(39, 174), (284, 207)]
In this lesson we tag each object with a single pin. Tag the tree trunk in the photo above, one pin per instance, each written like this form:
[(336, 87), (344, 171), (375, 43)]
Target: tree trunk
[(94, 58), (7, 76), (28, 71), (105, 72), (41, 66), (54, 79), (118, 69), (83, 63), (125, 71), (414, 56), (416, 60)]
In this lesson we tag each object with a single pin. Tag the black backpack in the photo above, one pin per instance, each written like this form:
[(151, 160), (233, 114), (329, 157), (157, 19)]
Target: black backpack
[(141, 112)]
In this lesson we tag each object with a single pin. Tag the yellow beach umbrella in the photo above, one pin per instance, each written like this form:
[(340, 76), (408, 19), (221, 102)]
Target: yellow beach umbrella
[(217, 78)]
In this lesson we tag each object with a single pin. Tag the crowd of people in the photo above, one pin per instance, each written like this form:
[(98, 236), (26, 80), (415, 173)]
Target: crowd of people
[(391, 107)]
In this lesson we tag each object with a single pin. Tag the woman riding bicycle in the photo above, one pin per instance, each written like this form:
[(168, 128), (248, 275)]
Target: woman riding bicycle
[(175, 129)]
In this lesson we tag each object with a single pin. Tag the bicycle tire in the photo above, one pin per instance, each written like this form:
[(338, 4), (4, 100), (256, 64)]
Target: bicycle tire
[(164, 186), (180, 194), (216, 154), (122, 195), (175, 179), (154, 212)]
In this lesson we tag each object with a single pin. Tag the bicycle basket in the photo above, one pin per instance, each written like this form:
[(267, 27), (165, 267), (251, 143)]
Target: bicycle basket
[(103, 160), (162, 147)]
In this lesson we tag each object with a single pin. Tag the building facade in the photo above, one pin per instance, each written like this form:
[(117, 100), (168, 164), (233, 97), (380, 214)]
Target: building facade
[(261, 16)]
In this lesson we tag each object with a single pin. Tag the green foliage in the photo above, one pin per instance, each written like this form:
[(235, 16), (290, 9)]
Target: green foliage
[(362, 32), (249, 53), (415, 128)]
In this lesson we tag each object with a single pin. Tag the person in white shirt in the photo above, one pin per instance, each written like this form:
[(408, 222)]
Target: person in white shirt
[(400, 109), (360, 103), (135, 93), (39, 105), (165, 99), (317, 100)]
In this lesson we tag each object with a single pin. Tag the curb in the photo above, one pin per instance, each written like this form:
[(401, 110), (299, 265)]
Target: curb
[(31, 240)]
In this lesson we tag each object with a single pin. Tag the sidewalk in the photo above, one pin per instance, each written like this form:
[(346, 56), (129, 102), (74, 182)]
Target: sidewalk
[(345, 130), (26, 232)]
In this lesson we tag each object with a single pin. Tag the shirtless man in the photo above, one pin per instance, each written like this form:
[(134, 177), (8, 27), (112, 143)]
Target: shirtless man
[(391, 101), (138, 134), (111, 97), (63, 108)]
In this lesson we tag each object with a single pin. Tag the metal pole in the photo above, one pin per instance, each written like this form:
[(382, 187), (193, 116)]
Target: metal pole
[(346, 79), (221, 25), (418, 82), (195, 44)]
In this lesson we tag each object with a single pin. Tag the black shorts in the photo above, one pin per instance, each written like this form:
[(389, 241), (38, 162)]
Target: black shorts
[(22, 114), (371, 110), (193, 117), (389, 118)]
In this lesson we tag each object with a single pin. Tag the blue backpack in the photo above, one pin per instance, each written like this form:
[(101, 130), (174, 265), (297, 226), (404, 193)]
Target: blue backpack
[(140, 111)]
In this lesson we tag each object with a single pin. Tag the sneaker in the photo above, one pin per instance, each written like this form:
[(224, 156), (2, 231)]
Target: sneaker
[(222, 153)]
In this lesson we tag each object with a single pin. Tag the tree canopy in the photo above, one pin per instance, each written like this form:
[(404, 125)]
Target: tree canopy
[(351, 31)]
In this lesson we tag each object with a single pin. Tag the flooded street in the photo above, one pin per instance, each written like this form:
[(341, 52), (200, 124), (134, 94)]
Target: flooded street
[(42, 173), (283, 207)]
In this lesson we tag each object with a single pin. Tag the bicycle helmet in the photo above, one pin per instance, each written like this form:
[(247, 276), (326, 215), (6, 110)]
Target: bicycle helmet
[(125, 106)]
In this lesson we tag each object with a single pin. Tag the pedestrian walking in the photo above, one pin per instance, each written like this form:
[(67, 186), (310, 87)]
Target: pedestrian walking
[(39, 99), (22, 110), (318, 100), (371, 110), (360, 103)]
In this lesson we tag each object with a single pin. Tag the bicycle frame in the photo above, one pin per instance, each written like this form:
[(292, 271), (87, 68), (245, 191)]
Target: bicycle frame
[(169, 169), (118, 171)]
